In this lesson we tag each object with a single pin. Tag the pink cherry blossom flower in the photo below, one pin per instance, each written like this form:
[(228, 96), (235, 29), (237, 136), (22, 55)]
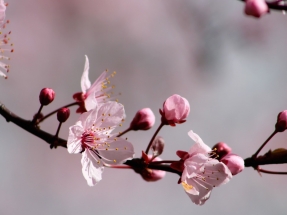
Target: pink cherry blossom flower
[(256, 8), (201, 173), (98, 92), (5, 44), (92, 136), (175, 110)]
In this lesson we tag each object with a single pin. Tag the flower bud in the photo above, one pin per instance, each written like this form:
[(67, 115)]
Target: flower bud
[(256, 8), (175, 110), (157, 146), (63, 114), (143, 120), (221, 149), (46, 96), (281, 124), (152, 174), (234, 163)]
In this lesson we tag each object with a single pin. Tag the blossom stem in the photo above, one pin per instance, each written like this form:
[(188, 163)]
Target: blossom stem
[(55, 111), (118, 166), (271, 172), (164, 161), (58, 130), (124, 132), (266, 141), (36, 116), (153, 137)]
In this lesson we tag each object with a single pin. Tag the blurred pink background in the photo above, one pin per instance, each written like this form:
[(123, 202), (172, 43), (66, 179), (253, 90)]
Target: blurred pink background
[(231, 68)]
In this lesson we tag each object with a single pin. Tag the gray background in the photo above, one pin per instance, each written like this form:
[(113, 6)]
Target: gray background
[(230, 67)]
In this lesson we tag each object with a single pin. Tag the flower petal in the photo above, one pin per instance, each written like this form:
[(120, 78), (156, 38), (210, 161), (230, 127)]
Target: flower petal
[(85, 81), (74, 139), (117, 151), (199, 146), (90, 102), (92, 168), (110, 114)]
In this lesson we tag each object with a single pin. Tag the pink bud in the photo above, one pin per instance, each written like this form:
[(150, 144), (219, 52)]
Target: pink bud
[(256, 8), (46, 96), (281, 124), (143, 120), (151, 174), (221, 149), (234, 163), (175, 110), (63, 114)]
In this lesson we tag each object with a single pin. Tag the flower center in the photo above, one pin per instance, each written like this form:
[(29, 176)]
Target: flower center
[(87, 139), (186, 186)]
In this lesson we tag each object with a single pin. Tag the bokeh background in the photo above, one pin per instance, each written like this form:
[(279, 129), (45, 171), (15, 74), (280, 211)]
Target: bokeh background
[(231, 68)]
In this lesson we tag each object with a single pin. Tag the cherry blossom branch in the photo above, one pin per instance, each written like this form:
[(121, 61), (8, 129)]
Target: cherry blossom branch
[(271, 172), (29, 127), (278, 156), (138, 163)]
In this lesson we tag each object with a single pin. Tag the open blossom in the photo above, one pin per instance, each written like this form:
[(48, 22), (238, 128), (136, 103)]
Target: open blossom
[(5, 44), (98, 92), (175, 110), (92, 136), (200, 172)]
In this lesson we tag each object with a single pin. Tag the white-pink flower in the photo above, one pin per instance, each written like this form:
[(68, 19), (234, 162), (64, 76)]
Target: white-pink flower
[(92, 136), (92, 94), (5, 44), (201, 173)]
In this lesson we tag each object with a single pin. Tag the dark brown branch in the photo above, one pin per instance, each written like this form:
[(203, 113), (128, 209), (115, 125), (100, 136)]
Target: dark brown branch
[(28, 126), (137, 164), (278, 156)]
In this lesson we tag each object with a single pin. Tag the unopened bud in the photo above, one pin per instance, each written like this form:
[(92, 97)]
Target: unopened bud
[(63, 114), (46, 96), (281, 124), (175, 110), (152, 174), (157, 146), (143, 120), (234, 163), (221, 149), (256, 8)]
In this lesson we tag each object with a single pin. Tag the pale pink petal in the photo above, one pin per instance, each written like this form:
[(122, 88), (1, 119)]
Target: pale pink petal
[(97, 85), (92, 168), (116, 151), (2, 11), (216, 173), (90, 102), (85, 81), (203, 195), (88, 118), (199, 146), (74, 139), (3, 75), (110, 114)]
